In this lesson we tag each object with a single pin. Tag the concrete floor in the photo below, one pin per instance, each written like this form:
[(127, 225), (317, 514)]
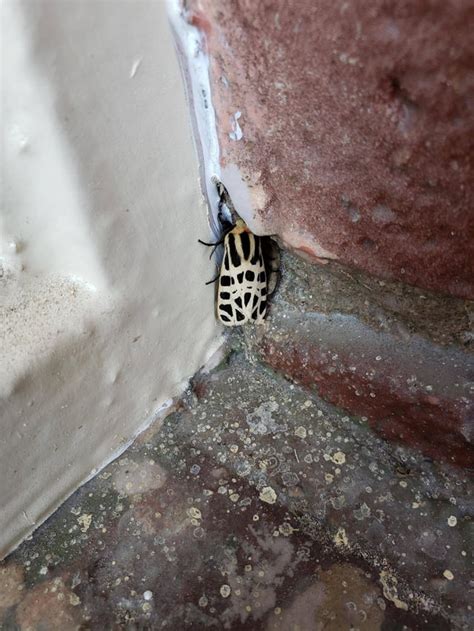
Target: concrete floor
[(254, 505)]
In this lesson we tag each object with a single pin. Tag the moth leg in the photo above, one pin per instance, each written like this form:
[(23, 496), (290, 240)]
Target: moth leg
[(213, 250), (209, 282)]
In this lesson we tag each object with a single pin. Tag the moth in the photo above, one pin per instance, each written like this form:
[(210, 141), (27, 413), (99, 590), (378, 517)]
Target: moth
[(249, 270)]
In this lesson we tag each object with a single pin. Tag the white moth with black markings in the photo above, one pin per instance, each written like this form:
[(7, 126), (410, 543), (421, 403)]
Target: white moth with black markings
[(249, 270), (242, 286)]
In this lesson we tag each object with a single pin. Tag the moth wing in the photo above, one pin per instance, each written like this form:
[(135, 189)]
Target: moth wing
[(242, 284), (253, 291), (271, 258)]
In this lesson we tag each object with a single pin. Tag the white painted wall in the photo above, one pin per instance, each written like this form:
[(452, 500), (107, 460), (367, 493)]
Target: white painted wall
[(103, 310)]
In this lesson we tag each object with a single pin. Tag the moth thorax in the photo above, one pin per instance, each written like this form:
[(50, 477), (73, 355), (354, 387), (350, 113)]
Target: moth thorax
[(240, 226)]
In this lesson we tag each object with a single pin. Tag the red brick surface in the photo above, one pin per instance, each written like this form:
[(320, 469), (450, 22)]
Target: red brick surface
[(357, 125), (411, 395), (399, 358)]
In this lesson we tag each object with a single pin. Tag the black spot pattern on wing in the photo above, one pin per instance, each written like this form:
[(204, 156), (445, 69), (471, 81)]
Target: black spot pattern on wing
[(257, 252), (224, 280), (249, 275), (247, 298), (226, 308), (232, 250), (224, 295), (245, 242)]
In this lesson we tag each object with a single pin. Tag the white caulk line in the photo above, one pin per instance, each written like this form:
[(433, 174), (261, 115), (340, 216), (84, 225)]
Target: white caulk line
[(195, 67)]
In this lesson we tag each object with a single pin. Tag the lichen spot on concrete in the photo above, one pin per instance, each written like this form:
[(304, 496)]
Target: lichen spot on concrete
[(194, 513), (339, 457), (268, 495), (301, 432), (340, 538), (390, 590), (225, 591), (85, 521)]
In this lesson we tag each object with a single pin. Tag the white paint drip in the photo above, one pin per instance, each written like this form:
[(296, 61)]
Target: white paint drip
[(236, 133)]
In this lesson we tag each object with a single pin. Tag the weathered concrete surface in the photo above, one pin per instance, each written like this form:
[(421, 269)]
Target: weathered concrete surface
[(255, 506), (357, 128), (400, 357)]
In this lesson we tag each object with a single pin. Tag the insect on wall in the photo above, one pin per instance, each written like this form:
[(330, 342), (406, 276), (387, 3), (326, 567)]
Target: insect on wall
[(249, 271)]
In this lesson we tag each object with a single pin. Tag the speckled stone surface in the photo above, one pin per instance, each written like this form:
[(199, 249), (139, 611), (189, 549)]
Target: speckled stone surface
[(255, 505), (355, 128)]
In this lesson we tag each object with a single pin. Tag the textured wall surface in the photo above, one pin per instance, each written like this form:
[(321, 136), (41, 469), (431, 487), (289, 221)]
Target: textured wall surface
[(352, 123), (101, 321)]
